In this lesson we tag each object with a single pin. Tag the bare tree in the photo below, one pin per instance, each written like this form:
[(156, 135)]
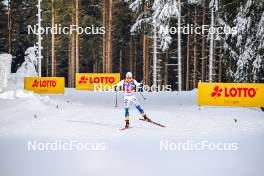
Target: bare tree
[(132, 55), (154, 82), (53, 64), (121, 60), (187, 85), (195, 57), (77, 11), (104, 35), (69, 62), (220, 66), (145, 60), (9, 24), (165, 78), (204, 45), (211, 53), (107, 48), (145, 55), (72, 50), (179, 50)]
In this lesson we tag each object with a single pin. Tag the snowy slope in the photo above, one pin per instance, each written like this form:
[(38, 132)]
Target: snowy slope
[(91, 117)]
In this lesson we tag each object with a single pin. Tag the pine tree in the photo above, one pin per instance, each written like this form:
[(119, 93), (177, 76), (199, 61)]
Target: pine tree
[(245, 47)]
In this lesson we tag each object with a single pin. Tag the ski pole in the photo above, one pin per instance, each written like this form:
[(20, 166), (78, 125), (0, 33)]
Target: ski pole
[(116, 100), (142, 90), (143, 96)]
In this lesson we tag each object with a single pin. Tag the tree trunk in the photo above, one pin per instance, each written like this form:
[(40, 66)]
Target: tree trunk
[(154, 81), (69, 62), (204, 46), (145, 60), (73, 49), (53, 66), (121, 61), (9, 16), (77, 9), (145, 55), (96, 62), (72, 52), (39, 40), (166, 68), (220, 62), (109, 38), (104, 3), (131, 53), (187, 86), (211, 53), (135, 59), (47, 62), (179, 50), (195, 59), (107, 20)]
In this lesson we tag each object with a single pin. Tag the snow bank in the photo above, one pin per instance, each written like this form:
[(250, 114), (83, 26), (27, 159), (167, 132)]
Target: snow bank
[(15, 91), (19, 93), (7, 95)]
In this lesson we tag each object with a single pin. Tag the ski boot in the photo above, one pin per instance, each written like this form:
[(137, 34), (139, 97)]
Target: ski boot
[(146, 118), (127, 124)]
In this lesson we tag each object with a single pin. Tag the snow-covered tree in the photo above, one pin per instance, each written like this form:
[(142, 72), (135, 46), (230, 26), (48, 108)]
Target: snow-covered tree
[(158, 17), (163, 11), (28, 67), (159, 14), (258, 63), (245, 47)]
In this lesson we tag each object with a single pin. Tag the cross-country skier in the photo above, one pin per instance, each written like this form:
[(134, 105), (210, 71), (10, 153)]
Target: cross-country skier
[(129, 86)]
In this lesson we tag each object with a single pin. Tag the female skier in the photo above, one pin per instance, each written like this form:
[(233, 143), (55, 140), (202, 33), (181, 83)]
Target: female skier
[(129, 86)]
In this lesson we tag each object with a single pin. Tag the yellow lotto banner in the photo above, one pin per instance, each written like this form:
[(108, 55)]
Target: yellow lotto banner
[(45, 85), (96, 81), (231, 94)]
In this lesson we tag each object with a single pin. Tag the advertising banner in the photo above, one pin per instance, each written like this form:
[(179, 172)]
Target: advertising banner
[(45, 85), (96, 81), (231, 94)]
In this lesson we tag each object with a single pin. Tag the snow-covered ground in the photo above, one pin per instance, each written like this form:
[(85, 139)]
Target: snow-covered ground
[(89, 117)]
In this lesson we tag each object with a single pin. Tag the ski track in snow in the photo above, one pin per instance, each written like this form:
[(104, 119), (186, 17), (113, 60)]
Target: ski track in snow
[(92, 117)]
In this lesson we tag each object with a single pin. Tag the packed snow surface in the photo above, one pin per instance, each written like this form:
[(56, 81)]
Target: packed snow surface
[(91, 117)]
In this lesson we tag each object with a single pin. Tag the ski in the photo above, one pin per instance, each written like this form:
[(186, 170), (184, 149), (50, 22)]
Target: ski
[(155, 123), (124, 128)]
